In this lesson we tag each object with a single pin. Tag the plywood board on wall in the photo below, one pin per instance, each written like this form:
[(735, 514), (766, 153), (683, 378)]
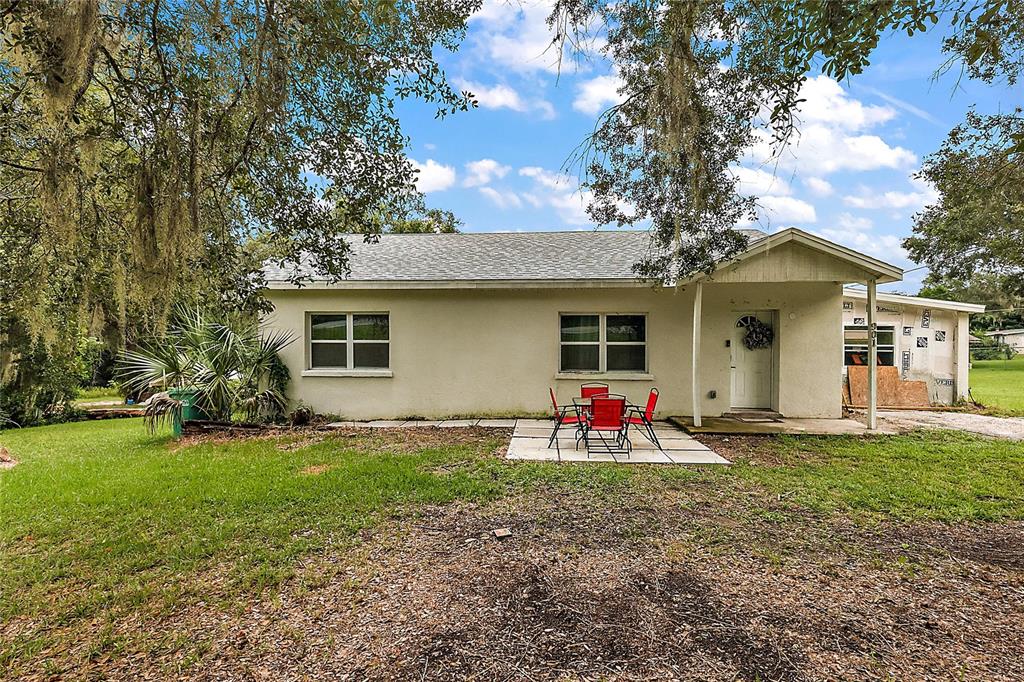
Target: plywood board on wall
[(892, 391)]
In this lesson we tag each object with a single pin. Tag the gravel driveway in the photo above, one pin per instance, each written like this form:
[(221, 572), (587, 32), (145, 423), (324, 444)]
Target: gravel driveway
[(997, 427)]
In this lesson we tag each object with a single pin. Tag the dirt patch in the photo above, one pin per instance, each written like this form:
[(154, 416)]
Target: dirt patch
[(629, 588), (317, 469), (400, 440), (754, 450), (995, 427)]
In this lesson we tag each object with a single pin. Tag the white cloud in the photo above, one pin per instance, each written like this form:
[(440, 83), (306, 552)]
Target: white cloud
[(759, 182), (875, 200), (433, 176), (888, 247), (850, 222), (546, 178), (923, 195), (827, 103), (482, 172), (500, 96), (572, 206), (502, 199), (787, 209), (596, 94), (906, 106), (495, 13), (559, 191), (819, 186), (857, 232), (532, 199), (821, 150), (831, 135), (516, 35)]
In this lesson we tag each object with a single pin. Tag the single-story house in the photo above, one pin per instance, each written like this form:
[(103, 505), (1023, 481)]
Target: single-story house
[(927, 339), (1014, 338), (439, 325)]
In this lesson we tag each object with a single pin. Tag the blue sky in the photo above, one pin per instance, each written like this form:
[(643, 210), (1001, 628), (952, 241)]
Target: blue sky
[(849, 178)]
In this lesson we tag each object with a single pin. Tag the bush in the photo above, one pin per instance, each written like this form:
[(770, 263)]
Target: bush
[(41, 382), (992, 351), (232, 368)]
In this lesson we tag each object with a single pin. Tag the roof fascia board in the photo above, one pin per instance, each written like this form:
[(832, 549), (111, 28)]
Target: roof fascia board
[(919, 300), (462, 284)]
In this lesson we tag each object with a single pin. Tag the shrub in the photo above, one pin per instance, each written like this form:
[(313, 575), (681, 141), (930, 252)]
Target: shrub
[(992, 350), (233, 368)]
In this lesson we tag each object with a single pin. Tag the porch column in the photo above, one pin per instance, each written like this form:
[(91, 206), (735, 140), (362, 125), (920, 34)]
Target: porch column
[(698, 296), (872, 356)]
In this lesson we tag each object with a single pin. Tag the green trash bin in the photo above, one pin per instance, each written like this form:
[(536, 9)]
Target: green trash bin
[(189, 409)]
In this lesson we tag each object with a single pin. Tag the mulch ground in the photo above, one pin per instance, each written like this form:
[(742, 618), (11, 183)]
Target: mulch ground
[(681, 582)]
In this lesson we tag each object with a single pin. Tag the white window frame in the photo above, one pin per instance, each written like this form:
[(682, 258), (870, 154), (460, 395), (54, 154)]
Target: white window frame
[(349, 342), (881, 347), (602, 345)]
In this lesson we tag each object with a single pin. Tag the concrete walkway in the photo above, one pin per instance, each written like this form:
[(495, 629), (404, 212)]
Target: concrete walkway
[(996, 427), (530, 442), (413, 423), (780, 425)]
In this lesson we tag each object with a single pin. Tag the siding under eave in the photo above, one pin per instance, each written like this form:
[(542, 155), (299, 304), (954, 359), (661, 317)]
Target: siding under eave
[(790, 262)]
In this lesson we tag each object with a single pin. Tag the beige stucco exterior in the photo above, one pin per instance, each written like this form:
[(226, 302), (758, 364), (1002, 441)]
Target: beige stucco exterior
[(491, 348), (491, 351), (943, 362)]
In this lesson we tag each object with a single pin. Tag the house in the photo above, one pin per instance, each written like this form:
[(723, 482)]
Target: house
[(437, 325), (926, 339), (1014, 338)]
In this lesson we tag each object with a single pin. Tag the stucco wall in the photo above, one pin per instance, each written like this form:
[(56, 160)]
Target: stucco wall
[(495, 351), (943, 363)]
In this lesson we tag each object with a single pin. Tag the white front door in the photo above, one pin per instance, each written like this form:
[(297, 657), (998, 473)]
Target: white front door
[(751, 369)]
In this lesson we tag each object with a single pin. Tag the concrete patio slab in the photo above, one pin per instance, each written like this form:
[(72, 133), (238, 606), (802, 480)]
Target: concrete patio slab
[(413, 423), (784, 425), (497, 423), (530, 442), (455, 423), (693, 457)]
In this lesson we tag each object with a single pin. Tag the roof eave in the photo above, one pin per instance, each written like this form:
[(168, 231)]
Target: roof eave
[(919, 300), (577, 283)]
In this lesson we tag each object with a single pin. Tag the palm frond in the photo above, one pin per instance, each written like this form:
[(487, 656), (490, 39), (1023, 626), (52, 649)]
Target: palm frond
[(162, 409)]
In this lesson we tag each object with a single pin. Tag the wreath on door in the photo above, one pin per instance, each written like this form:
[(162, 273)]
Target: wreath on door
[(759, 335)]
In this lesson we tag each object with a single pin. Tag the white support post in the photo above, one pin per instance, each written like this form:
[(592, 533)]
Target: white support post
[(698, 296), (872, 355)]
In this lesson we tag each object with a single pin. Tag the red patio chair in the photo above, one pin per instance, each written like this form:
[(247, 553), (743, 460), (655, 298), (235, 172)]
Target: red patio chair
[(608, 417), (592, 389), (563, 417), (644, 419)]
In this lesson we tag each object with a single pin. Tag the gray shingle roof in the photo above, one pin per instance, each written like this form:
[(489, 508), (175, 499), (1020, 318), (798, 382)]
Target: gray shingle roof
[(589, 255)]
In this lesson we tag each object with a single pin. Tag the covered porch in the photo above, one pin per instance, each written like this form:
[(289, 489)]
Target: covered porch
[(767, 336)]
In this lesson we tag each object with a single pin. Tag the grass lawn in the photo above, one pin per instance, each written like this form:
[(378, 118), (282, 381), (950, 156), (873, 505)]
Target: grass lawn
[(999, 384), (125, 552), (100, 396)]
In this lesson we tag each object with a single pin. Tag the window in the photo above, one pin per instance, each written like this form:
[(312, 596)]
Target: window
[(603, 343), (349, 341), (855, 345)]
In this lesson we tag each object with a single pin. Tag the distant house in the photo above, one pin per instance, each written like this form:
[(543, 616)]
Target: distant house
[(435, 325), (1014, 338), (927, 339)]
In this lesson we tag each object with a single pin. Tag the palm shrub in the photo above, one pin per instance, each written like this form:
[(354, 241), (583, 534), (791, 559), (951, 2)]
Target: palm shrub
[(232, 367)]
